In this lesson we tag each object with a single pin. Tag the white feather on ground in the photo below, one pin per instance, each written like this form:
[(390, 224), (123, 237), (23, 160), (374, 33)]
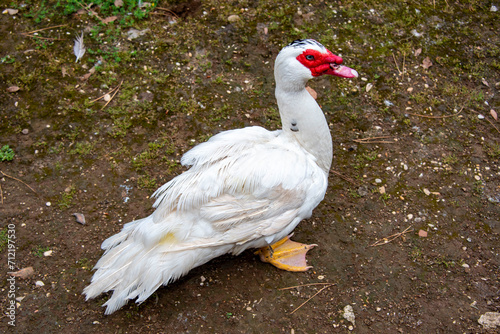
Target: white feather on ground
[(79, 48)]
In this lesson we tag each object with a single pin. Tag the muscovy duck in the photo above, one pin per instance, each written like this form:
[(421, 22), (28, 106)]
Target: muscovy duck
[(245, 188)]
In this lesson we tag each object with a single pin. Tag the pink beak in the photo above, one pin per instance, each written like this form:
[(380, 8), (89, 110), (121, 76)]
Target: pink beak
[(341, 71)]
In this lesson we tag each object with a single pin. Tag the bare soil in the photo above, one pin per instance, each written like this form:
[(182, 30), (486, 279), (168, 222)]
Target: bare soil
[(416, 157)]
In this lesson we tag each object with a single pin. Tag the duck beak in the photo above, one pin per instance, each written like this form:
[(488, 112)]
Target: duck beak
[(341, 71)]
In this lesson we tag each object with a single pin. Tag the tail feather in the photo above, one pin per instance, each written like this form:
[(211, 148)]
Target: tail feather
[(132, 270)]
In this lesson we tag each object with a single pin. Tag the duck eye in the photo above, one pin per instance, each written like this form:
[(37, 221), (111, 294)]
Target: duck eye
[(309, 57)]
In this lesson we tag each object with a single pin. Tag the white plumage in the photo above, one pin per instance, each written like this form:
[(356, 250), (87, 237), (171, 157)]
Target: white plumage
[(245, 188)]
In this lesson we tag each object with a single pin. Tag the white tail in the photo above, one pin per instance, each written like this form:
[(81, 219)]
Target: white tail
[(134, 271)]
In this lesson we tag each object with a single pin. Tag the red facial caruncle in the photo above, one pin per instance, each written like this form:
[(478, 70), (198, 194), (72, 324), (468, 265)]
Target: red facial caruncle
[(320, 63)]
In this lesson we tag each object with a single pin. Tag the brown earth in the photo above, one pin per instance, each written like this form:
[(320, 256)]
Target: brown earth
[(404, 163)]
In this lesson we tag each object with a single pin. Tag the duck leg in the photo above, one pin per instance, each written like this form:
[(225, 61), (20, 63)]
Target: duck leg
[(286, 254)]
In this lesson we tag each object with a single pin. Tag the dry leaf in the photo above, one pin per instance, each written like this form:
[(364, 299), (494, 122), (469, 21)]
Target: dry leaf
[(493, 114), (312, 92), (80, 218), (10, 11), (79, 48), (13, 89), (427, 63), (85, 76), (118, 3), (418, 52), (109, 19), (23, 273), (483, 80), (369, 86), (64, 71)]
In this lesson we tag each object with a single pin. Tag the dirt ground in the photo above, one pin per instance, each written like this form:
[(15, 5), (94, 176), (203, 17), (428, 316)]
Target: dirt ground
[(408, 232)]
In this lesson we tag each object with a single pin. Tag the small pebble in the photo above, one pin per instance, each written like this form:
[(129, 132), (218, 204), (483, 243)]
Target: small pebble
[(48, 204), (47, 253), (480, 116), (25, 131), (422, 234), (427, 192), (378, 181), (349, 314), (490, 320), (39, 283), (10, 11), (233, 18)]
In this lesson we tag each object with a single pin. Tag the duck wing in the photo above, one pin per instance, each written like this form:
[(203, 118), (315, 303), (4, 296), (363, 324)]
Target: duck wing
[(244, 186)]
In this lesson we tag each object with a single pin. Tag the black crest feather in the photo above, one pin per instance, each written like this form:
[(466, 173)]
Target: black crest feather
[(305, 43)]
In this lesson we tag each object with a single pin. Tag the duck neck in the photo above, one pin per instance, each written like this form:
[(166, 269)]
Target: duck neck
[(303, 120)]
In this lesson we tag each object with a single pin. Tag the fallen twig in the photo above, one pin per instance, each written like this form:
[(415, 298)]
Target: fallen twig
[(390, 238), (116, 91), (488, 121), (168, 10), (12, 177), (31, 32), (344, 177), (404, 60), (40, 37), (395, 62), (302, 285), (1, 193), (493, 125), (371, 140), (111, 91), (445, 116), (327, 285), (90, 11)]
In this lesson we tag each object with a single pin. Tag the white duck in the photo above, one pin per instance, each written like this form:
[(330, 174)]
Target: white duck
[(246, 188)]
